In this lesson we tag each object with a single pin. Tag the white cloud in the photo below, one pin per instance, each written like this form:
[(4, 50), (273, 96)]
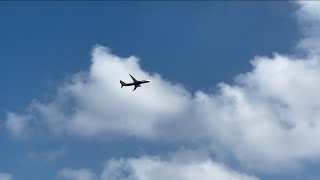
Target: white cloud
[(263, 119), (16, 124), (5, 176), (47, 155), (153, 168), (308, 14), (93, 103), (269, 114), (145, 168), (80, 174)]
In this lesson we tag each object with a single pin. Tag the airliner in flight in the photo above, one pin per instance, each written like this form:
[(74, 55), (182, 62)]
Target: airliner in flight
[(135, 83)]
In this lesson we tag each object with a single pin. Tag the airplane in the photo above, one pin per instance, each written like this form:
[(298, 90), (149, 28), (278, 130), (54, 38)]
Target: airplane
[(135, 83)]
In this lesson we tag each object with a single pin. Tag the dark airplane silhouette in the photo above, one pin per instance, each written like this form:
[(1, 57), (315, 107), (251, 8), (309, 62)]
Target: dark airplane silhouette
[(135, 83)]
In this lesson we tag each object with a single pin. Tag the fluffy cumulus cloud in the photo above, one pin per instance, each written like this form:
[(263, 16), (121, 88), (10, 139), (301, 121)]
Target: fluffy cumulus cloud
[(92, 103), (262, 120), (308, 14), (5, 176), (145, 168), (269, 114)]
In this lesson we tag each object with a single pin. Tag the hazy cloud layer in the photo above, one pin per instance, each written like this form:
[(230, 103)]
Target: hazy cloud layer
[(47, 155), (17, 125), (76, 174), (5, 176), (145, 168)]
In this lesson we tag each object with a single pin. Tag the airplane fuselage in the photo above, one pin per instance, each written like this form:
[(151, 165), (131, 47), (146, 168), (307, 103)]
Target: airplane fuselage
[(136, 83)]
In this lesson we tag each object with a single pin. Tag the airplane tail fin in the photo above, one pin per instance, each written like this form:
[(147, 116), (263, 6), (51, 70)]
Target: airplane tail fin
[(122, 83)]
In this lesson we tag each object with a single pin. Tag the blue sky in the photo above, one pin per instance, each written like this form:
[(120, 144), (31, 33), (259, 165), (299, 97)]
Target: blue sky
[(196, 45)]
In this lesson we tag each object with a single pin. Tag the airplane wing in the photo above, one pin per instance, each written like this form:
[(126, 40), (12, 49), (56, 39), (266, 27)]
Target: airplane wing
[(135, 87), (134, 80)]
